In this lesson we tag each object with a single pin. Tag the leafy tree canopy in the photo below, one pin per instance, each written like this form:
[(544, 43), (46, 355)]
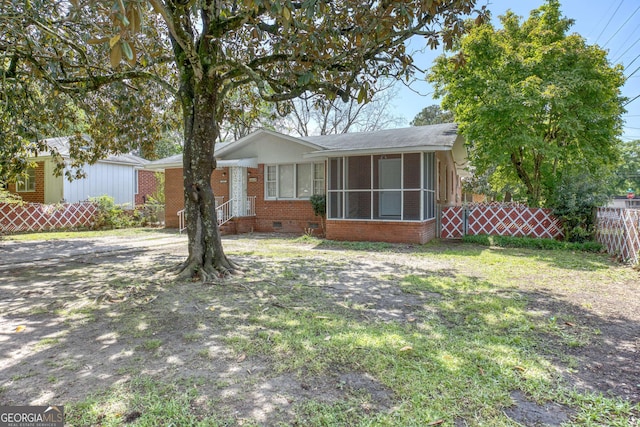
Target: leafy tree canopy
[(537, 105), (122, 62), (432, 115), (628, 173)]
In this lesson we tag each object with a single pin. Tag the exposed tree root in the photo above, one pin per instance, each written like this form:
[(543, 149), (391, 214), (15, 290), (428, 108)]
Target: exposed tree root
[(224, 269)]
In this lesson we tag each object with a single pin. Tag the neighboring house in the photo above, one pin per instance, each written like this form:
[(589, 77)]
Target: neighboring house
[(624, 202), (122, 177), (381, 186)]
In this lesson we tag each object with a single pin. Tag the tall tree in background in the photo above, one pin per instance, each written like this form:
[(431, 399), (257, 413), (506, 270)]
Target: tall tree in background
[(278, 49), (628, 174), (432, 115), (542, 107), (310, 114)]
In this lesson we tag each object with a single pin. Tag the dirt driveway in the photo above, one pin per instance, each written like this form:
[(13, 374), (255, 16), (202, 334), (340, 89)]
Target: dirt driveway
[(79, 316)]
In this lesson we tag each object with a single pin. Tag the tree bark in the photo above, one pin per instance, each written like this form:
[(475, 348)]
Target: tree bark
[(206, 260)]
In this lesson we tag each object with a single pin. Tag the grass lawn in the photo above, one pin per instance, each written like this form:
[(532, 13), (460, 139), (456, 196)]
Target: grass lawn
[(319, 333)]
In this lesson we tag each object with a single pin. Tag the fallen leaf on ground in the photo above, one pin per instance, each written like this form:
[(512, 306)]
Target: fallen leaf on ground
[(406, 348), (21, 328), (436, 423)]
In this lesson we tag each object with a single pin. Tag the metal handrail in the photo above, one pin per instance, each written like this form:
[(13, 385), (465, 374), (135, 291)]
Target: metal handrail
[(182, 224)]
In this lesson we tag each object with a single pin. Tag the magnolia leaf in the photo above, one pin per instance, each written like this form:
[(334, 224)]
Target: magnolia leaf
[(113, 40), (134, 56), (406, 348), (362, 95), (305, 79), (126, 50), (100, 40), (116, 56)]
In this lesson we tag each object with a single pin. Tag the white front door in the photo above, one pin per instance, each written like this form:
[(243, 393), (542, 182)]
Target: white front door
[(238, 190), (390, 175)]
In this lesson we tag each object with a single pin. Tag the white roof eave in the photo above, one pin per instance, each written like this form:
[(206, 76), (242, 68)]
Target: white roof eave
[(370, 151)]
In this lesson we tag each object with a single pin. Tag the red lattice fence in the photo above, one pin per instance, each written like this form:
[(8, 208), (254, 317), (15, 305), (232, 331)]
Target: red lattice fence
[(16, 217), (499, 220), (619, 231)]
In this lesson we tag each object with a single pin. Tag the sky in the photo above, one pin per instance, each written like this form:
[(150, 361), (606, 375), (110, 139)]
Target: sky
[(614, 25)]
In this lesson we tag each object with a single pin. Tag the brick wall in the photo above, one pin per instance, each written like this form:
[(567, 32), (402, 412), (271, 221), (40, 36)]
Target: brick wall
[(286, 216), (36, 196), (147, 185), (381, 231), (174, 194)]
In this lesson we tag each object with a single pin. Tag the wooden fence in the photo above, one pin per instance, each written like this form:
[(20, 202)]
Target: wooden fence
[(618, 229), (498, 219), (15, 217)]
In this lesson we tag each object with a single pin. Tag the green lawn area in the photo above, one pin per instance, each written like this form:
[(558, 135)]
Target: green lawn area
[(319, 333)]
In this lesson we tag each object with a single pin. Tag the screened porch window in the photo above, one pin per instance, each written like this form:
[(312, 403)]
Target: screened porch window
[(397, 187), (294, 181)]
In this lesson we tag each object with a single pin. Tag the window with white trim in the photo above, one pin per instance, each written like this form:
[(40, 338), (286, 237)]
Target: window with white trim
[(294, 180), (27, 183)]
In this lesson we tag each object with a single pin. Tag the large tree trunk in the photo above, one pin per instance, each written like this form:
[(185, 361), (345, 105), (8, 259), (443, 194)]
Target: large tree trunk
[(206, 256)]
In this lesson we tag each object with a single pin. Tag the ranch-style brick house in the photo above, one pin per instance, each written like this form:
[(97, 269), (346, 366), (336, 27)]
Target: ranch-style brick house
[(122, 177), (379, 186)]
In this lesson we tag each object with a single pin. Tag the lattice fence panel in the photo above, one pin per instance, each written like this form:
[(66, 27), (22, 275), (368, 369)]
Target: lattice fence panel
[(499, 219), (452, 222), (38, 217), (518, 221), (619, 231)]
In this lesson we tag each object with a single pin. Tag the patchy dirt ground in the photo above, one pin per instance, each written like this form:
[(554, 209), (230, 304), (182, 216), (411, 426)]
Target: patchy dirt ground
[(79, 316)]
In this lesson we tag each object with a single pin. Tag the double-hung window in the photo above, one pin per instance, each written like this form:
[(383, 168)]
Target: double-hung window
[(294, 180), (27, 182)]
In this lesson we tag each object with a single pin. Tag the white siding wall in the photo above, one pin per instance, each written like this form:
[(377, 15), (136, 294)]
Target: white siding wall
[(117, 181)]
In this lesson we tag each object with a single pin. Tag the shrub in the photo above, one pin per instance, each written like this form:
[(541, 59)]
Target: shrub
[(110, 215), (319, 204), (533, 243), (6, 197)]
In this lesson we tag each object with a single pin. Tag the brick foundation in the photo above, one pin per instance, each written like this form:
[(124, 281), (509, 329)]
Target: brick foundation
[(381, 231)]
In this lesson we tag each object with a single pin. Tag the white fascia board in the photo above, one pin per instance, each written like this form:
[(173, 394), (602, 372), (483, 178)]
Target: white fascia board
[(369, 151)]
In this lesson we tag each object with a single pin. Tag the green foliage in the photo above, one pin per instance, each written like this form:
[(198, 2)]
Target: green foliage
[(628, 173), (200, 56), (7, 197), (319, 204), (110, 215), (574, 202), (432, 115), (532, 243), (533, 103)]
